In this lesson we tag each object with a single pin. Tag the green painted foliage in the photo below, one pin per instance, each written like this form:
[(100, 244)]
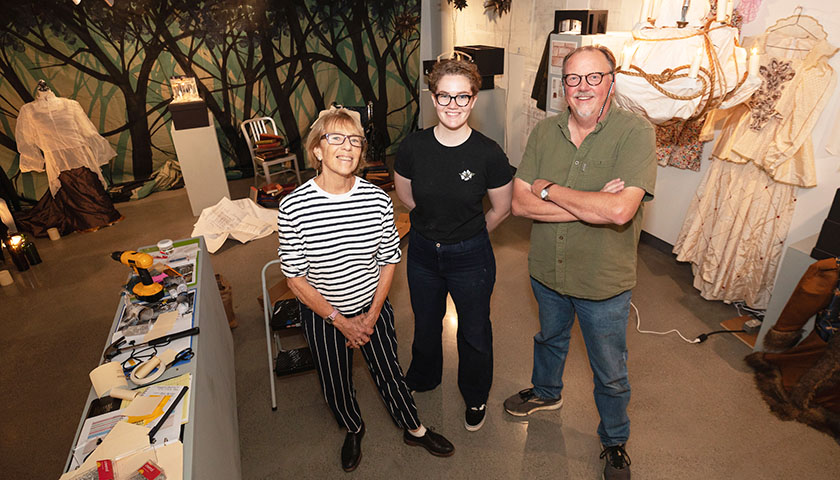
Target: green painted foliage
[(251, 58)]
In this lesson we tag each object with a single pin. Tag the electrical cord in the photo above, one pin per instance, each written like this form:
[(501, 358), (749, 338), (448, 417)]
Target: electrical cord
[(673, 330), (700, 339), (704, 336)]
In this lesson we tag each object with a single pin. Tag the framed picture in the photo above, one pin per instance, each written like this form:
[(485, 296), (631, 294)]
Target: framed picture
[(561, 45)]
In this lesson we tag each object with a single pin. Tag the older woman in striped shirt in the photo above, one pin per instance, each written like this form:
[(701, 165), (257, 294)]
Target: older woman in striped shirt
[(339, 248)]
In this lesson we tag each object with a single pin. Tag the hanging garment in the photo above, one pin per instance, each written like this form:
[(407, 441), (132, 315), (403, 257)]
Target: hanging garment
[(55, 134), (739, 218), (679, 145), (657, 86), (80, 205)]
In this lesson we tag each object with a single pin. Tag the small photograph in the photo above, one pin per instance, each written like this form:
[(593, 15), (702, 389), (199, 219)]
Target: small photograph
[(137, 318), (559, 50), (556, 100), (186, 271)]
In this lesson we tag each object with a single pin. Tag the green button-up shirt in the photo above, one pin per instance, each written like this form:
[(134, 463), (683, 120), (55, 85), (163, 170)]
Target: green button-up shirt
[(580, 259)]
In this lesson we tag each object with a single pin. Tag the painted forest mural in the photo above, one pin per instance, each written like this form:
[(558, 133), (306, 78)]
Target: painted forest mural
[(286, 59)]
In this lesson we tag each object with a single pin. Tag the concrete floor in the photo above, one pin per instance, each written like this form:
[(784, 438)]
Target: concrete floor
[(695, 411)]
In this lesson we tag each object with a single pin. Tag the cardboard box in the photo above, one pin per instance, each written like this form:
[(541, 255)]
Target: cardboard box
[(279, 291)]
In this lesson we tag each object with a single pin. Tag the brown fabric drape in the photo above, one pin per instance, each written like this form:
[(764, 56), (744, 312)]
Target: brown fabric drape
[(80, 204)]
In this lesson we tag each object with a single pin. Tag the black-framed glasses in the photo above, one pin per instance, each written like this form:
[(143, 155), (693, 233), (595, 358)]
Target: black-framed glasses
[(339, 138), (444, 99), (593, 79)]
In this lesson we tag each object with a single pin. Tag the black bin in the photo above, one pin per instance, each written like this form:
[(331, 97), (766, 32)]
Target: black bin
[(187, 115)]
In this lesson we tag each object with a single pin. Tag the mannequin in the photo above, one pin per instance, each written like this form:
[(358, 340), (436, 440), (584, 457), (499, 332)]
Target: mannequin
[(55, 134)]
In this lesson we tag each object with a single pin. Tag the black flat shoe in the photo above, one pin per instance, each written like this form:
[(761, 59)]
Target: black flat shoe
[(435, 443), (351, 451)]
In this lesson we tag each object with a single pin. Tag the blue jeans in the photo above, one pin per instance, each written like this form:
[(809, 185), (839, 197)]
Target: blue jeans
[(467, 271), (604, 327)]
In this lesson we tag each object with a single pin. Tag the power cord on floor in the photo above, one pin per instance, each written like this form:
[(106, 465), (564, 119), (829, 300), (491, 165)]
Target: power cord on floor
[(700, 339)]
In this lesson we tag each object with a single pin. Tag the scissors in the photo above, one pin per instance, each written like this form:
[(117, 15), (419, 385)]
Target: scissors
[(184, 355)]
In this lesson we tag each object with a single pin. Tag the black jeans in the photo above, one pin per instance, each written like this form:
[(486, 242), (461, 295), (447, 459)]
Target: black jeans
[(467, 271)]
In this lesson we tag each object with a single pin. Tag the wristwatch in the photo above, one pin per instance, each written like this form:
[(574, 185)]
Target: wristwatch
[(544, 192), (331, 317)]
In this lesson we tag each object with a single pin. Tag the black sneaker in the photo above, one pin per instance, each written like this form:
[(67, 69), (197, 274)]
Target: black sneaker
[(617, 465), (474, 418)]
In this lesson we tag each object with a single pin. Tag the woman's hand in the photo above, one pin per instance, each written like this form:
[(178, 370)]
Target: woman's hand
[(354, 330), (367, 320), (370, 317)]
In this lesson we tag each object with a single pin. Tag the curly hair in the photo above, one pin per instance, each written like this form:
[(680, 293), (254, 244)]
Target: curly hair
[(455, 67), (340, 117)]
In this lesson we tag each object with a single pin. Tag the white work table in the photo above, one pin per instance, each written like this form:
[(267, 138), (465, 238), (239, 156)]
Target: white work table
[(211, 436)]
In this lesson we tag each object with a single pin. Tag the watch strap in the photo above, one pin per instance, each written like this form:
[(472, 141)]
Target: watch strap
[(331, 317)]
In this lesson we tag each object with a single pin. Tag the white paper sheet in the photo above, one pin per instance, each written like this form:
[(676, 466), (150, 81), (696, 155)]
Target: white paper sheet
[(170, 458), (123, 439), (242, 220)]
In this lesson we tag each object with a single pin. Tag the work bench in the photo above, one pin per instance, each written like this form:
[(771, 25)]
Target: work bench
[(211, 436)]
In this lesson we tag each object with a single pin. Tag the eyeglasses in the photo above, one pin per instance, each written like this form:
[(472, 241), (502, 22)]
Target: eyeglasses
[(338, 139), (444, 99), (593, 79)]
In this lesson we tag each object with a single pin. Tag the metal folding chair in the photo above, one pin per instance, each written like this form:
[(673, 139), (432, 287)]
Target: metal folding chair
[(251, 130)]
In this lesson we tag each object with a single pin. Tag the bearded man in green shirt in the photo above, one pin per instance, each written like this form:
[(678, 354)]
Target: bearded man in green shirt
[(583, 178)]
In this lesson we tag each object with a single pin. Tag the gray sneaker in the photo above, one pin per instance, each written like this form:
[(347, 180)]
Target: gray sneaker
[(527, 402), (617, 464)]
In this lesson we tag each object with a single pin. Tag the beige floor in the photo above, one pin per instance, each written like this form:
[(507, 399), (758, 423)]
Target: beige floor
[(695, 411)]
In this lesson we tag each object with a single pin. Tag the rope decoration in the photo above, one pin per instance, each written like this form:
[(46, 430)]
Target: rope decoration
[(712, 80)]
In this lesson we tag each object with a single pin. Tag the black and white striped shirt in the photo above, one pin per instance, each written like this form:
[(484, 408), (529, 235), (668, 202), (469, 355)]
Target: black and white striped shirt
[(338, 242)]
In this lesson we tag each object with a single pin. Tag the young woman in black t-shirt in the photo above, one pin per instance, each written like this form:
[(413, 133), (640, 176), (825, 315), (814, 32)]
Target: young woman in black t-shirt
[(442, 175)]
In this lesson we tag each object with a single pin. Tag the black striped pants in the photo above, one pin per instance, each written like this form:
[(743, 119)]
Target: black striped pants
[(334, 362)]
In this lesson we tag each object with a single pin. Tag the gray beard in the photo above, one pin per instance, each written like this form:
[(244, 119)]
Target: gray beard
[(582, 114)]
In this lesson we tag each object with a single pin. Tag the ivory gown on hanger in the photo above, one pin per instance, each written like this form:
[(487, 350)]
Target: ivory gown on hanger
[(56, 135), (739, 218)]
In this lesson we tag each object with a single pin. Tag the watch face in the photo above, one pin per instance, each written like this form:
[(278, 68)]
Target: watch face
[(544, 193)]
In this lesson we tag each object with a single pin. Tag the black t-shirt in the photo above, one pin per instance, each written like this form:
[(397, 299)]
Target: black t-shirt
[(449, 183)]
